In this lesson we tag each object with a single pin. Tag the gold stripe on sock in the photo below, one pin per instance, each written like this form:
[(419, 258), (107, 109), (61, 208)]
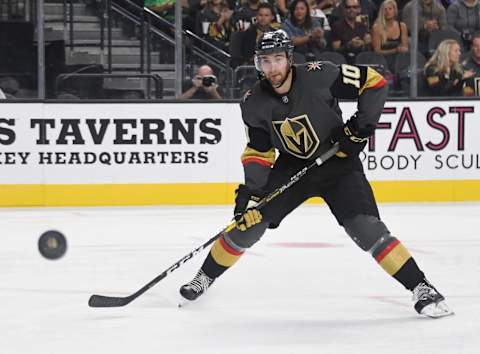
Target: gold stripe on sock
[(395, 259), (223, 254)]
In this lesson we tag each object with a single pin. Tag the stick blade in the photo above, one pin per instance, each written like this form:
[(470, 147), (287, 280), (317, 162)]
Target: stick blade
[(108, 301)]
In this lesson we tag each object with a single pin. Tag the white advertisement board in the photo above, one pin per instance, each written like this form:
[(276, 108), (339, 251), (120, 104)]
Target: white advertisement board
[(424, 140), (120, 143), (184, 143), (156, 153)]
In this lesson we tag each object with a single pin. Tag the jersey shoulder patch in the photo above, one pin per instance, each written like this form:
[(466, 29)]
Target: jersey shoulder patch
[(314, 66), (318, 68)]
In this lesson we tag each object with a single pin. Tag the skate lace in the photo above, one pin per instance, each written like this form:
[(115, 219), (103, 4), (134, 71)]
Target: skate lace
[(423, 291), (200, 283)]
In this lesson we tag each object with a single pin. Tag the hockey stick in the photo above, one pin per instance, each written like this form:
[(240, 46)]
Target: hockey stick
[(113, 301)]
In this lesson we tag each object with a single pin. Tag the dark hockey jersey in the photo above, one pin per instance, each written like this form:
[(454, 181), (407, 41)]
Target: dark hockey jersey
[(301, 121)]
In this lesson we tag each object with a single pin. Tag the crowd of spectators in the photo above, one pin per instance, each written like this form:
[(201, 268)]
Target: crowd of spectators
[(377, 32), (382, 28)]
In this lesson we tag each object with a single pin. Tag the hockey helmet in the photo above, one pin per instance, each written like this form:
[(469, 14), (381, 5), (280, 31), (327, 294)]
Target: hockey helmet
[(273, 42)]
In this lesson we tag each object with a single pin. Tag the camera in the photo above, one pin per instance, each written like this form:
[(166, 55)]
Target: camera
[(209, 80)]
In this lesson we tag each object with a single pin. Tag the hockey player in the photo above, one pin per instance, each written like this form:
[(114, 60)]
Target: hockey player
[(294, 109)]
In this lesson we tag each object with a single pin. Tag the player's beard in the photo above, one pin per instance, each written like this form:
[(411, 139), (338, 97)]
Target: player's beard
[(278, 79)]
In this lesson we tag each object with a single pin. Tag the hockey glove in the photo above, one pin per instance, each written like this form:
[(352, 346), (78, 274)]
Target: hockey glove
[(245, 213), (350, 141)]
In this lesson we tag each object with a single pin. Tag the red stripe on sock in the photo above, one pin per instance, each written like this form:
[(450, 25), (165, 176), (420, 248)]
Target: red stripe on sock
[(256, 160), (386, 251), (379, 84), (228, 248)]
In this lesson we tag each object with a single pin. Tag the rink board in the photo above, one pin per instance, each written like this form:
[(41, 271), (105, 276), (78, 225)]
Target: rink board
[(61, 154)]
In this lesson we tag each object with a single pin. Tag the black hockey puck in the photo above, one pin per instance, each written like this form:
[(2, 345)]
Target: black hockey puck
[(52, 244)]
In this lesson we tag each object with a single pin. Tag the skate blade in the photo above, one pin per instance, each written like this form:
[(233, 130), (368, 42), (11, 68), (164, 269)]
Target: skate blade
[(182, 302), (437, 310)]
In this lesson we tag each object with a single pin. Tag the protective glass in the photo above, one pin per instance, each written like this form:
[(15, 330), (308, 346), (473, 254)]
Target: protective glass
[(267, 63)]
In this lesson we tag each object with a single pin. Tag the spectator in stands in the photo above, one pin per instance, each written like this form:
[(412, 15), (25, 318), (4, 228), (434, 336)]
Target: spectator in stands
[(463, 16), (443, 73), (306, 33), (245, 15), (472, 61), (367, 13), (242, 53), (431, 16), (389, 36), (204, 85), (350, 36), (214, 22)]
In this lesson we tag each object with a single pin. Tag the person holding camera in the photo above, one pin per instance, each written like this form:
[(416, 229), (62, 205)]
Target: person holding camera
[(203, 86), (463, 17)]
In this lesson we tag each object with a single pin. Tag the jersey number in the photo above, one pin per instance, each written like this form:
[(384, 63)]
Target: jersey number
[(351, 75)]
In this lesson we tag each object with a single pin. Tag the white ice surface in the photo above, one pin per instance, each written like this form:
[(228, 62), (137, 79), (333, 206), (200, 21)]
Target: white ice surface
[(321, 294)]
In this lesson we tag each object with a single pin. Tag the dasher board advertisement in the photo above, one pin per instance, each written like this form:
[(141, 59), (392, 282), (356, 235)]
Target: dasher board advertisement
[(153, 153)]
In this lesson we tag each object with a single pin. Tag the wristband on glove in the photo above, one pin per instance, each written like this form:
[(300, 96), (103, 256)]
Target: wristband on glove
[(245, 213)]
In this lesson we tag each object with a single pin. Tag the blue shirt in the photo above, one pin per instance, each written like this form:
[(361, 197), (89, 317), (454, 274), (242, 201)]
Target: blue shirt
[(294, 31)]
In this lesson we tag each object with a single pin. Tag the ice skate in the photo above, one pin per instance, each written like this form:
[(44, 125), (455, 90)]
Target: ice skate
[(429, 302), (196, 287)]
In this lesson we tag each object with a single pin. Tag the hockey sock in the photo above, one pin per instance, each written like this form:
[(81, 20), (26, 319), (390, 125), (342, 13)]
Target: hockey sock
[(395, 259), (221, 257)]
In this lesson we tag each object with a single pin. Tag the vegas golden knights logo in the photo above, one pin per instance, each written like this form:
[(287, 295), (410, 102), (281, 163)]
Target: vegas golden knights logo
[(297, 136)]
